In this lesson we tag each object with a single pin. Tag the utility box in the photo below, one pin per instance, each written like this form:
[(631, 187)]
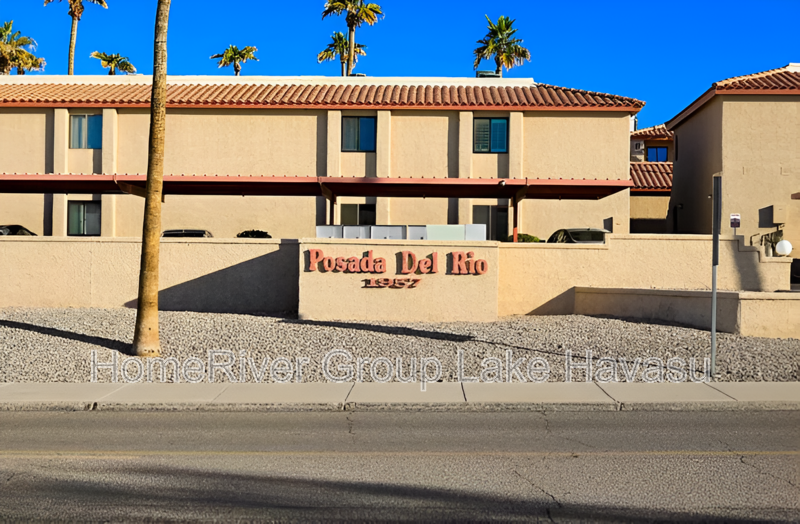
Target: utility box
[(779, 213)]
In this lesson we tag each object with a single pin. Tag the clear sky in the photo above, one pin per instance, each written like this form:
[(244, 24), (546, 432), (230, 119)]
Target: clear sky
[(665, 53)]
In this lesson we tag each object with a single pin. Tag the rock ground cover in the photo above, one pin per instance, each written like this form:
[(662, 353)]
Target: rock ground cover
[(55, 345)]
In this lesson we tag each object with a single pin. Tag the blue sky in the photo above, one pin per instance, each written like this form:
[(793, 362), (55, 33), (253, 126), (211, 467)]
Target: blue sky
[(665, 53)]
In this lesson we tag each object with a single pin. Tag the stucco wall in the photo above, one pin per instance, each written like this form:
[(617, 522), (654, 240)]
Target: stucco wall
[(224, 216), (335, 295), (652, 207), (229, 141), (699, 145), (538, 278), (234, 276), (772, 315), (761, 161), (576, 145), (542, 218), (24, 210), (27, 140), (424, 144), (418, 211)]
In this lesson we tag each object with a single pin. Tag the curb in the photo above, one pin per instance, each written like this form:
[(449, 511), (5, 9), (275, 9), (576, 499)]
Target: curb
[(391, 397)]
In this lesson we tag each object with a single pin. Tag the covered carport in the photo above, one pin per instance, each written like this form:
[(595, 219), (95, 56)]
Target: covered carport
[(514, 189)]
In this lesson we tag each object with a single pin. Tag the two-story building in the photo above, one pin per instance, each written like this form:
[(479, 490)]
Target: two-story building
[(652, 153), (746, 129), (308, 126)]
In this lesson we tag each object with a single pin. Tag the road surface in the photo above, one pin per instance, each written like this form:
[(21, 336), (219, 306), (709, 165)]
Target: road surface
[(611, 466)]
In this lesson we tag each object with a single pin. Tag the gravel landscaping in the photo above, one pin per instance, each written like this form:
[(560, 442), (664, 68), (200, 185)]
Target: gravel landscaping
[(55, 345)]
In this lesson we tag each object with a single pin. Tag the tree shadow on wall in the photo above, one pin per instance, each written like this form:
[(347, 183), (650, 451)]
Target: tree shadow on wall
[(267, 284)]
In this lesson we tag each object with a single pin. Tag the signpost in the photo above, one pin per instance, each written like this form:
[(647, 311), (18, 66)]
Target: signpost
[(716, 225), (736, 221)]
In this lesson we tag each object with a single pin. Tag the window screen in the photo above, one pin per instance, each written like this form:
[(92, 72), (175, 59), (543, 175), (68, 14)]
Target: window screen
[(83, 218), (490, 135), (358, 133)]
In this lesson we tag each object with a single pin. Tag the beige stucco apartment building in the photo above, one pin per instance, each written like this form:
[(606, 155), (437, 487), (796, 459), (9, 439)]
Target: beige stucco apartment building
[(652, 155), (319, 127), (746, 129)]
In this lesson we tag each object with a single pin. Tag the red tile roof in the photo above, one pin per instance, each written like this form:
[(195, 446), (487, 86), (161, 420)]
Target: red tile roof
[(784, 78), (651, 176), (334, 95), (782, 81), (655, 132)]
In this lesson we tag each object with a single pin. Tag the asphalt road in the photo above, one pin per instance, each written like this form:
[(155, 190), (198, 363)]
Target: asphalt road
[(609, 466)]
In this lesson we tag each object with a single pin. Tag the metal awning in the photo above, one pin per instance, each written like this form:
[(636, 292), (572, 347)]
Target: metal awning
[(519, 188)]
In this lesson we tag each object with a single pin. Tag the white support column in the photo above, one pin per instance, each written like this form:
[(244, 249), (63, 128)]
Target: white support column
[(334, 143), (61, 141), (60, 165), (515, 145), (383, 164), (465, 163)]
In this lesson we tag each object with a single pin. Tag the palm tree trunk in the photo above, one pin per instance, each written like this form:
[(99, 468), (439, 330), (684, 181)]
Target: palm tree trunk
[(351, 51), (499, 69), (73, 36), (344, 65), (145, 339), (112, 71), (237, 68)]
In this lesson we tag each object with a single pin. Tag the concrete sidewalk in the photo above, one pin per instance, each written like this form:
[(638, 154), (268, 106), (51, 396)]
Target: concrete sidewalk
[(362, 396)]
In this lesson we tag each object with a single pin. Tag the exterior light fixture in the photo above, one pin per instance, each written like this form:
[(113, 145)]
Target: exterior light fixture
[(783, 248)]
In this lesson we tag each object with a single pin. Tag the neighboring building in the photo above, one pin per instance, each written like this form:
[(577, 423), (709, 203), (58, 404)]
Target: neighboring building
[(319, 127), (746, 129), (652, 153), (652, 144), (650, 196)]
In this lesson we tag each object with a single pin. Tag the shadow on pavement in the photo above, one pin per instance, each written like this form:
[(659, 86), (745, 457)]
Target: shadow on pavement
[(115, 345)]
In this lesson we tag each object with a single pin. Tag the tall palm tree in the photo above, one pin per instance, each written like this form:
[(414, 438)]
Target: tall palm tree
[(235, 57), (75, 11), (339, 47), (114, 62), (17, 51), (500, 45), (145, 338), (357, 13)]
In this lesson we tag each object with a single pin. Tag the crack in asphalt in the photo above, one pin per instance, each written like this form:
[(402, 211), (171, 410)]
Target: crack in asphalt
[(539, 488), (571, 439), (767, 473)]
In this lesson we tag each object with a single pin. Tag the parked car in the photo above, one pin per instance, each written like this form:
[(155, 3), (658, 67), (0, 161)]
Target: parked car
[(16, 230), (186, 233), (586, 235)]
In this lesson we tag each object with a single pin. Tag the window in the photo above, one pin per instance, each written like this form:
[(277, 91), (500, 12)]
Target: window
[(83, 219), (358, 215), (490, 135), (85, 132), (358, 133), (656, 154)]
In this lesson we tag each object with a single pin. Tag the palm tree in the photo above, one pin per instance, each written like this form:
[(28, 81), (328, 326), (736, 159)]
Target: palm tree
[(339, 47), (16, 51), (357, 13), (75, 11), (498, 43), (235, 57), (145, 338), (114, 62)]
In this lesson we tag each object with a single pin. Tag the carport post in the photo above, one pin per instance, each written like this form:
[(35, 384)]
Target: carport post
[(519, 196), (516, 217), (331, 210)]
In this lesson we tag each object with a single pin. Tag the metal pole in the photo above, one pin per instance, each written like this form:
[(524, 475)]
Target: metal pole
[(717, 224)]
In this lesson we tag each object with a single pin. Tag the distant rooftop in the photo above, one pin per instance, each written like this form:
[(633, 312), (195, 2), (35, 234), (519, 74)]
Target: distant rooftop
[(306, 92), (658, 132)]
